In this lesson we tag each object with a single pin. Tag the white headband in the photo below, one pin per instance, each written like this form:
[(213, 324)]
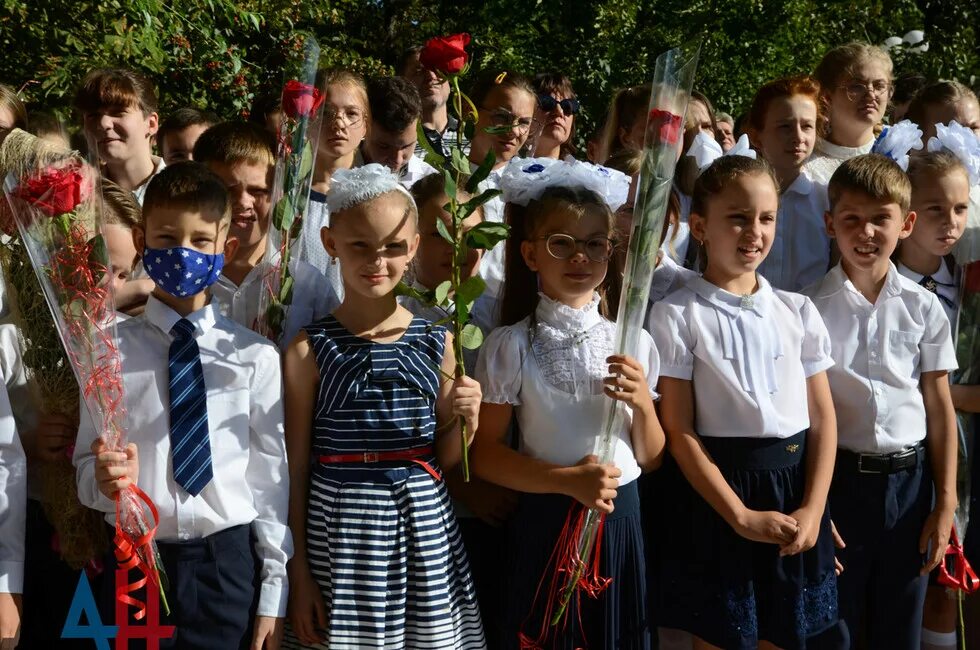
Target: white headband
[(962, 143), (897, 140), (705, 149), (349, 187), (526, 179)]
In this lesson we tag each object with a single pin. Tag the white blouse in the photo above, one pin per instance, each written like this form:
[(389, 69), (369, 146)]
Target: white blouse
[(827, 157), (749, 356), (309, 246), (553, 376)]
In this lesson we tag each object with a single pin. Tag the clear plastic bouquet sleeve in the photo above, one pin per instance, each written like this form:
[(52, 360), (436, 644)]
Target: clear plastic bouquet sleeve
[(56, 205)]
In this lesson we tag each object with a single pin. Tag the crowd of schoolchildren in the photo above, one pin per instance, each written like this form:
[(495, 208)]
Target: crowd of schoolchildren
[(786, 475)]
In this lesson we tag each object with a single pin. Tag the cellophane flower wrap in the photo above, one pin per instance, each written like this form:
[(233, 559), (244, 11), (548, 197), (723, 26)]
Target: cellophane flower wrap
[(56, 206), (673, 79), (299, 134)]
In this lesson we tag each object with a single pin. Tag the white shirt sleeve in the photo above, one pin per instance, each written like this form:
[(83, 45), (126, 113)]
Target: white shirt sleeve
[(268, 478), (498, 368), (936, 348), (649, 358), (816, 348), (13, 500), (672, 341)]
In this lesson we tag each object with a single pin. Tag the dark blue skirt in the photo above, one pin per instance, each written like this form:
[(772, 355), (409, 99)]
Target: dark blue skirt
[(733, 592), (618, 617)]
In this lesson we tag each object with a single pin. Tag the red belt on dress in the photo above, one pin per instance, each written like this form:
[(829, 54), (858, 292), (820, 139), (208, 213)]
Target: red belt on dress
[(415, 455)]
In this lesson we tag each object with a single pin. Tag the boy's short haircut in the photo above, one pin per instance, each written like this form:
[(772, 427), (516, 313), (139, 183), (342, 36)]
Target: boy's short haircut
[(183, 118), (873, 175), (394, 103), (115, 88), (236, 142), (188, 186), (119, 206)]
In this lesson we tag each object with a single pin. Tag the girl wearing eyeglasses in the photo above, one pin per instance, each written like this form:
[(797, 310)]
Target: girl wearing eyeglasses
[(856, 86), (345, 118), (555, 116), (552, 366)]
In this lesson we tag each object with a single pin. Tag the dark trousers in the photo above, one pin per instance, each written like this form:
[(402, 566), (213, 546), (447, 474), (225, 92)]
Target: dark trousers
[(880, 517), (212, 592), (485, 549)]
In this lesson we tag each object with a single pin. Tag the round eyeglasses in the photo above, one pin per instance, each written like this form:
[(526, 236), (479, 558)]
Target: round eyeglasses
[(856, 90), (561, 247)]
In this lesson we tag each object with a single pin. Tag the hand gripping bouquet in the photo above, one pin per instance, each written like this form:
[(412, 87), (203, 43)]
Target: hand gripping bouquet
[(299, 132), (56, 206), (577, 552)]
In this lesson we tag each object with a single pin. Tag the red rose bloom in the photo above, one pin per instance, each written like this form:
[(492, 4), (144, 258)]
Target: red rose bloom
[(300, 99), (55, 190), (445, 54), (666, 125)]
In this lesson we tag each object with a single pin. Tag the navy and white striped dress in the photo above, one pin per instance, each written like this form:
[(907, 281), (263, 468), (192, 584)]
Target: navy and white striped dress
[(382, 539)]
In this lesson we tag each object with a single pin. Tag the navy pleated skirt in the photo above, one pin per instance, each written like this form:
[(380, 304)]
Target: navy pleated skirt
[(732, 592), (618, 617)]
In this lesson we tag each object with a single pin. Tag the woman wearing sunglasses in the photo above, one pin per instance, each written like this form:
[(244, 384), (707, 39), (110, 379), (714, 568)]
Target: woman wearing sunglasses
[(555, 116)]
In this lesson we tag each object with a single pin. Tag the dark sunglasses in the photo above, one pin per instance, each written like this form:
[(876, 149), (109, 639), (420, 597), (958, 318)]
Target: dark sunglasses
[(547, 104)]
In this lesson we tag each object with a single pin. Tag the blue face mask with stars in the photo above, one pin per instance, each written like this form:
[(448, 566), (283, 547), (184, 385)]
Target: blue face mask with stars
[(182, 272)]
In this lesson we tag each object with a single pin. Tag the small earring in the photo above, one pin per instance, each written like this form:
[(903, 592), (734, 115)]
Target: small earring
[(333, 261)]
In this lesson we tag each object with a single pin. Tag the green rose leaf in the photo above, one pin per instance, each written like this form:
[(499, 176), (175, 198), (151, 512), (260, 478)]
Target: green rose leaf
[(431, 155), (306, 162), (470, 206), (487, 235), (450, 183), (282, 214), (460, 163), (481, 173), (442, 292), (444, 231), (471, 337), (286, 293), (470, 290), (98, 257)]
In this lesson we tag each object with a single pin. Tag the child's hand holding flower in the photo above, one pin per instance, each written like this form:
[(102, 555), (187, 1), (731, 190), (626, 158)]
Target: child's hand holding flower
[(628, 383), (467, 396)]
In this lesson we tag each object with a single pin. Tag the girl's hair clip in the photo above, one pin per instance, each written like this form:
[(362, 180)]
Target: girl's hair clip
[(525, 179), (705, 149), (350, 187), (962, 143), (500, 78), (897, 140)]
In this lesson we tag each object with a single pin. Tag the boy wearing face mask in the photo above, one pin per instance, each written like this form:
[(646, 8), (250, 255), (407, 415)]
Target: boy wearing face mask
[(204, 402)]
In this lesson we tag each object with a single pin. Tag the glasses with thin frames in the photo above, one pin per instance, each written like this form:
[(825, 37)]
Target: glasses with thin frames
[(856, 90), (561, 247)]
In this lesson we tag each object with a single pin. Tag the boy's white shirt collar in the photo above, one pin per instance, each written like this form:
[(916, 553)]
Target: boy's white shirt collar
[(836, 280), (164, 318)]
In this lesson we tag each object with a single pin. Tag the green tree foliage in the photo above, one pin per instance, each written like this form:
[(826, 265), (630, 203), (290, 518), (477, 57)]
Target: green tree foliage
[(218, 54)]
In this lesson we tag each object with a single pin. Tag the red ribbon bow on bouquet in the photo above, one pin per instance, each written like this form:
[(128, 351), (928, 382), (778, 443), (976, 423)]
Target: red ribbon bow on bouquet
[(963, 578)]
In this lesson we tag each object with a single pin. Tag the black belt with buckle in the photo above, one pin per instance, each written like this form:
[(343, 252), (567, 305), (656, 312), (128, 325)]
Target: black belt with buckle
[(885, 463)]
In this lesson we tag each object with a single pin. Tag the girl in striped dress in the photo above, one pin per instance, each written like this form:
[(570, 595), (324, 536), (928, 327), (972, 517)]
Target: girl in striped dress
[(371, 426)]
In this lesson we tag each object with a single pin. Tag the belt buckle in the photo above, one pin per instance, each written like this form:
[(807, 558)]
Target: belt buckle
[(861, 469), (370, 456)]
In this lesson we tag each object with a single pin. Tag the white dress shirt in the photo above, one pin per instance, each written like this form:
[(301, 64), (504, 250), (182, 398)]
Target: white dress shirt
[(947, 289), (309, 247), (800, 253), (827, 157), (492, 262), (313, 298), (245, 417), (555, 382), (140, 191), (413, 171), (749, 357), (880, 351), (13, 500)]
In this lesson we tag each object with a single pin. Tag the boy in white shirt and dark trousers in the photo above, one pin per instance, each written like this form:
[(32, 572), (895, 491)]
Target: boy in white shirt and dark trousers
[(893, 493), (205, 423)]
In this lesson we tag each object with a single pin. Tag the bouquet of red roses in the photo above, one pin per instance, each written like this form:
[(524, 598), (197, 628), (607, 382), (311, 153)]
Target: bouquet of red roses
[(56, 206)]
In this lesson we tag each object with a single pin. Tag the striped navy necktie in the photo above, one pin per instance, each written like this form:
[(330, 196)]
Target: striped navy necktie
[(932, 284), (190, 444)]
